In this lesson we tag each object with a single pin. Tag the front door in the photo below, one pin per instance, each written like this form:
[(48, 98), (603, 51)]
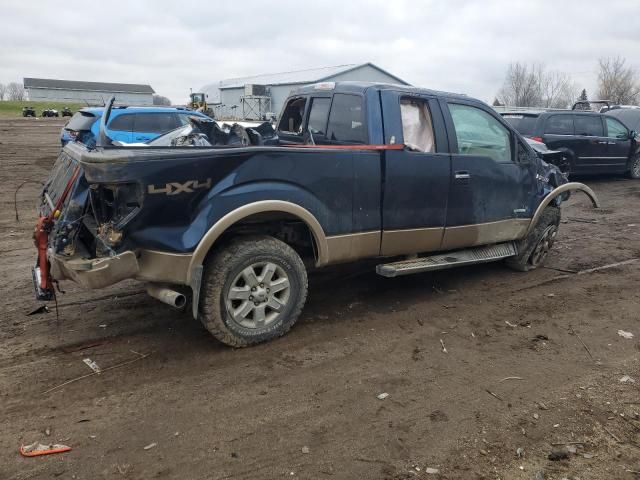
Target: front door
[(417, 178), (492, 180), (618, 145)]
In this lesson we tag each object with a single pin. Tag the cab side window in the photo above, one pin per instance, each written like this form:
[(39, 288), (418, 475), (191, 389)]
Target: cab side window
[(291, 121), (616, 129), (479, 133), (417, 127), (346, 120), (559, 125)]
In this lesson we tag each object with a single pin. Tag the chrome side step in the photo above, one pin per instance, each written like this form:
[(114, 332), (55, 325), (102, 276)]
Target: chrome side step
[(448, 260)]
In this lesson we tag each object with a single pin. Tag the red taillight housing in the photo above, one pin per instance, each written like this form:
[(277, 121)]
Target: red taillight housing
[(537, 139)]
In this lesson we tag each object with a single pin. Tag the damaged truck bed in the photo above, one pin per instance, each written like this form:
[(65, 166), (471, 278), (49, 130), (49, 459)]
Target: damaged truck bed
[(353, 171)]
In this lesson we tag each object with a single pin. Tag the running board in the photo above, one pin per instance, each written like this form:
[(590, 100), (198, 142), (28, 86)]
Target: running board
[(458, 258)]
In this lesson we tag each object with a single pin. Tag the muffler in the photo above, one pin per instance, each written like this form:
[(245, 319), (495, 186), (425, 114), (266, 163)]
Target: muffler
[(166, 295)]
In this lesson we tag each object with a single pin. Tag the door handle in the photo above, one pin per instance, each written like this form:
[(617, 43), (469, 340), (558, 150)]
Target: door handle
[(462, 175)]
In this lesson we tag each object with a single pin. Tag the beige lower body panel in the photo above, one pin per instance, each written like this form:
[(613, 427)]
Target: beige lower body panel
[(405, 242), (164, 267), (346, 248), (484, 233)]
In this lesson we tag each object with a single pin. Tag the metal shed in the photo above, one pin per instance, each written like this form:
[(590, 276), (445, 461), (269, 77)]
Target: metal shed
[(91, 93), (257, 96)]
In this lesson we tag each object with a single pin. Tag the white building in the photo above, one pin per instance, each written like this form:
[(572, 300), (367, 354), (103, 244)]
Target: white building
[(255, 96), (91, 93)]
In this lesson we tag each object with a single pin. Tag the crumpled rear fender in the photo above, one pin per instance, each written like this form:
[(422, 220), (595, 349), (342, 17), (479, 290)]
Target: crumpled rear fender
[(571, 186)]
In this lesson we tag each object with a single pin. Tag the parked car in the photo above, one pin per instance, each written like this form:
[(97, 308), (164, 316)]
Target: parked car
[(66, 112), (629, 116), (126, 124), (422, 180), (593, 142), (28, 111), (50, 112)]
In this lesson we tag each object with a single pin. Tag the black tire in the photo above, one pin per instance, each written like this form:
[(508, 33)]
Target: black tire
[(634, 168), (533, 249), (225, 270)]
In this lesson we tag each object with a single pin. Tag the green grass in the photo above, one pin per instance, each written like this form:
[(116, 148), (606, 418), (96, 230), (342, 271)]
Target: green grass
[(14, 109)]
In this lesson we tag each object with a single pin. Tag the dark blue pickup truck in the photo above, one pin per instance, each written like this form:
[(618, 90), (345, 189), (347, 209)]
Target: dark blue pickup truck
[(423, 180)]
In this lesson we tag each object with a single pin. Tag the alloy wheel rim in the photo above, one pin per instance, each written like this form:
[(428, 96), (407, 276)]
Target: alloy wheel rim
[(258, 295), (544, 246)]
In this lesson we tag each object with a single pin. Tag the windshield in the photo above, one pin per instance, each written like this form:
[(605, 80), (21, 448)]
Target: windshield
[(524, 124)]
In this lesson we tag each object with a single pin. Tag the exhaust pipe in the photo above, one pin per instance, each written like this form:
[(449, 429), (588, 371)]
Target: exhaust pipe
[(166, 295)]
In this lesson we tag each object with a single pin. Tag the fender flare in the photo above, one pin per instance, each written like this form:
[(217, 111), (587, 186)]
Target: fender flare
[(263, 206), (571, 186)]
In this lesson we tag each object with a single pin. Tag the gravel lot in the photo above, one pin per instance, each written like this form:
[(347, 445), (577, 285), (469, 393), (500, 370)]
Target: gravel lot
[(533, 361)]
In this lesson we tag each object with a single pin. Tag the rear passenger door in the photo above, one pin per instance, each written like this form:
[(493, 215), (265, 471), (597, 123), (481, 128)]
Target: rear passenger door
[(493, 178), (417, 178), (591, 143), (148, 126)]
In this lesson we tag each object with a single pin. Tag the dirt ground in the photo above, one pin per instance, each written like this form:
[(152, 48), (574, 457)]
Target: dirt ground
[(533, 364)]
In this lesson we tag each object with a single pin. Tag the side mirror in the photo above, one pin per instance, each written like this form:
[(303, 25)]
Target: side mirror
[(633, 134)]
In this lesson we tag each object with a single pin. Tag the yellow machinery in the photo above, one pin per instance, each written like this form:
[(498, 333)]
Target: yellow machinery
[(199, 103)]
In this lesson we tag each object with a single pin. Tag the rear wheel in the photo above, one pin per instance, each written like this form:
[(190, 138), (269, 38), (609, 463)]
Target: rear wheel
[(534, 248), (634, 169), (253, 290)]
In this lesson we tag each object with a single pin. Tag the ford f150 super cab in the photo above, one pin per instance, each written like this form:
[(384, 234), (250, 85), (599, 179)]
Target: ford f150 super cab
[(423, 180)]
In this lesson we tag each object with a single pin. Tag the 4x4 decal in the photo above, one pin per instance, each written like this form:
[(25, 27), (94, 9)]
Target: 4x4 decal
[(174, 188)]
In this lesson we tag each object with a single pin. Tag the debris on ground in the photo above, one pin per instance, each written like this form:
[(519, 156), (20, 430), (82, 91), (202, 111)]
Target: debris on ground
[(444, 349), (37, 448), (520, 452), (150, 446), (382, 396), (92, 365), (305, 449), (431, 471), (627, 379), (627, 335), (39, 311), (558, 454)]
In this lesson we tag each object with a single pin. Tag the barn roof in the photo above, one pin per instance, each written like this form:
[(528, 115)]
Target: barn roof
[(310, 75), (87, 86)]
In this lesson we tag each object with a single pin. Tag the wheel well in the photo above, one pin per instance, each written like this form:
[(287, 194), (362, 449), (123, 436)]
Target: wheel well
[(281, 225)]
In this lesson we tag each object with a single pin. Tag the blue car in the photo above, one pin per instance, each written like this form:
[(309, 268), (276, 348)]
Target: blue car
[(126, 124)]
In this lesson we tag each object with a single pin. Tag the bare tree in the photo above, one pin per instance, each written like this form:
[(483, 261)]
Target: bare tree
[(618, 82), (3, 91), (521, 86), (557, 90), (160, 100), (15, 91)]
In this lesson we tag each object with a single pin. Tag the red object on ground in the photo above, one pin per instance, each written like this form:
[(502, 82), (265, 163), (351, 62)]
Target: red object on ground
[(37, 449)]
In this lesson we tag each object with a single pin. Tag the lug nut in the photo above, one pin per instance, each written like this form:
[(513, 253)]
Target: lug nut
[(253, 289), (250, 297), (256, 304), (262, 285)]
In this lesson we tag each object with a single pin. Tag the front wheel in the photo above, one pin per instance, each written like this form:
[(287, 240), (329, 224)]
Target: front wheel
[(253, 290), (534, 248), (634, 169)]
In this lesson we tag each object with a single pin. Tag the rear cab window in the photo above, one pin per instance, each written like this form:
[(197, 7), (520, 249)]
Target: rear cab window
[(291, 122), (559, 125), (525, 124)]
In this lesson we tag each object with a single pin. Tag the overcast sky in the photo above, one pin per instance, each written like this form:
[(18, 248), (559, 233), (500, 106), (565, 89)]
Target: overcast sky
[(455, 45)]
